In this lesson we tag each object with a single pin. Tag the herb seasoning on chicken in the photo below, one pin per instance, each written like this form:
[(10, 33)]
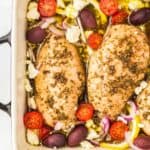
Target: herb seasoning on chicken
[(58, 85), (115, 70)]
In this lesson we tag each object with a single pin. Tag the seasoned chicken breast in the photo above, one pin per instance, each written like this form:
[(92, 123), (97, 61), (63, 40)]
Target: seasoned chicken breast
[(143, 102), (116, 68), (60, 81)]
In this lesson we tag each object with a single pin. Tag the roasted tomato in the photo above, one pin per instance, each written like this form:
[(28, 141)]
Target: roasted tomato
[(119, 17), (117, 130), (109, 7), (44, 131), (47, 8), (33, 120), (95, 40), (85, 112)]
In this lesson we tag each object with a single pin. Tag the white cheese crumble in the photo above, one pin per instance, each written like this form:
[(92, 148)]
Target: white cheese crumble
[(59, 125), (135, 4), (33, 13), (140, 88), (80, 4), (73, 34), (71, 12), (60, 3), (28, 86), (86, 145), (92, 134), (32, 103), (32, 137), (32, 71)]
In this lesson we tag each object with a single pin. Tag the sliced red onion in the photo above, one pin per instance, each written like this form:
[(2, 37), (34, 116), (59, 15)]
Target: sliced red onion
[(47, 21), (128, 118), (121, 118), (106, 124), (134, 107), (93, 142), (56, 31), (64, 24)]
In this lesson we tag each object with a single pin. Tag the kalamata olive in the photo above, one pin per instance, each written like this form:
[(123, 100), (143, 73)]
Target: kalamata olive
[(54, 140), (140, 16), (78, 134), (36, 35), (88, 19), (142, 142)]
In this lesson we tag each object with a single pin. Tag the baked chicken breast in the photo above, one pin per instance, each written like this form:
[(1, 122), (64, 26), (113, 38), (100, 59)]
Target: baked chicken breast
[(116, 68), (60, 80)]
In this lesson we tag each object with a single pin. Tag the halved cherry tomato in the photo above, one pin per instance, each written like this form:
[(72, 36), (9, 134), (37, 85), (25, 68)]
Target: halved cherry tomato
[(109, 7), (95, 40), (33, 120), (117, 130), (44, 131), (47, 8), (119, 17), (85, 112)]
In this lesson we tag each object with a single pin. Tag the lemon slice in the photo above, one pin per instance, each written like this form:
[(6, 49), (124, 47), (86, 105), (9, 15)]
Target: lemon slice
[(124, 145)]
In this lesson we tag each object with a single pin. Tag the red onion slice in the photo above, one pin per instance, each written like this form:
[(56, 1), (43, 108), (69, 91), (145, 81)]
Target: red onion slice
[(106, 124)]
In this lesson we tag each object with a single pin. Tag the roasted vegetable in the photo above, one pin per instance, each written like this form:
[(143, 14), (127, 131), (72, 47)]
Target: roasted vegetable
[(140, 16), (117, 130), (78, 134), (95, 40), (36, 35), (33, 120), (47, 8), (55, 140), (109, 7), (88, 19), (142, 142), (85, 112), (119, 17)]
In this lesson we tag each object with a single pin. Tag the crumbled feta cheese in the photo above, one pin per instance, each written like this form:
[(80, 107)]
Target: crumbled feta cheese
[(89, 123), (32, 5), (32, 71), (80, 4), (141, 125), (28, 87), (135, 4), (92, 134), (33, 13), (73, 34), (31, 103), (138, 90), (59, 125), (32, 137), (143, 84), (60, 3), (71, 12), (86, 145)]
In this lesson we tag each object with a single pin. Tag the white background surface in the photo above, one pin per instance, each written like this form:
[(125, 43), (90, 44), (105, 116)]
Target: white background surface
[(5, 55)]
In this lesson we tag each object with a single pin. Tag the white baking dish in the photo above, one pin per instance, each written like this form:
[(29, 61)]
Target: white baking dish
[(18, 104)]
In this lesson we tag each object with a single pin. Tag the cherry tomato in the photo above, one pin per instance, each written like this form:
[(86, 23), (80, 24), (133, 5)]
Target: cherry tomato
[(47, 8), (109, 7), (117, 130), (33, 120), (85, 112), (44, 131), (119, 17), (95, 40)]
